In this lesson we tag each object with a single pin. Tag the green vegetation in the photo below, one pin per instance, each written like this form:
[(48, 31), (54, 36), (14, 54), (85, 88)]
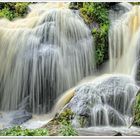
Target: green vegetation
[(11, 10), (82, 121), (61, 124), (96, 13), (18, 131), (66, 116), (67, 129), (64, 120), (75, 5), (135, 3), (137, 111)]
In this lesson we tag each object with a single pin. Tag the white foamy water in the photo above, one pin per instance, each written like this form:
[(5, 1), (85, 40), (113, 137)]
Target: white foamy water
[(42, 56)]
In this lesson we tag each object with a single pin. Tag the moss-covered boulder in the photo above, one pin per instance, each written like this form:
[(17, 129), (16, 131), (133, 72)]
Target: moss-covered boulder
[(137, 110), (105, 101), (61, 124)]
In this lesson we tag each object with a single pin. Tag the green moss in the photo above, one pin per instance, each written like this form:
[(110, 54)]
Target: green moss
[(11, 10), (137, 111), (65, 116), (82, 121), (18, 131)]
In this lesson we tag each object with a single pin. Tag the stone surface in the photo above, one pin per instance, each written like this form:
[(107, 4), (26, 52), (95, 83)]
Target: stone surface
[(108, 100), (117, 10), (13, 118)]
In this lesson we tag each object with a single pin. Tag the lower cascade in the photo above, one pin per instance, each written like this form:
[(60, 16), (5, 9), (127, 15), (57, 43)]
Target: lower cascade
[(105, 101)]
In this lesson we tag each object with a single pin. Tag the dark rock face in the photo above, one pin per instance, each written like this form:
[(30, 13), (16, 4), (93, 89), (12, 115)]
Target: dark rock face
[(117, 10), (14, 118), (20, 117), (108, 100)]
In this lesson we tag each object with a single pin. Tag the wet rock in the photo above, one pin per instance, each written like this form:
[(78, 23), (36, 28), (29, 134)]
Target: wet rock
[(84, 132), (117, 10), (13, 118), (20, 117), (118, 134), (105, 101), (136, 119)]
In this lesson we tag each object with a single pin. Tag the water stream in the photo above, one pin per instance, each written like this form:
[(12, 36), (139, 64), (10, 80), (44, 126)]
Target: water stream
[(51, 50), (41, 56)]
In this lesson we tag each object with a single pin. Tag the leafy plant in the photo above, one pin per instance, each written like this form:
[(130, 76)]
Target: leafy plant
[(66, 115), (67, 129), (7, 13), (64, 121), (11, 10), (18, 131), (101, 40), (97, 12)]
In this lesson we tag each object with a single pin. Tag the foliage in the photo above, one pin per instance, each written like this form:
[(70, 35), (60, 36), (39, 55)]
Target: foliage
[(7, 13), (67, 129), (137, 110), (66, 115), (64, 121), (97, 12), (18, 131), (135, 3), (75, 5), (82, 121), (12, 10), (101, 40)]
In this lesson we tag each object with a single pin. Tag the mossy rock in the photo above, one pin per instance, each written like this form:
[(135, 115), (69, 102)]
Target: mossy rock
[(137, 110), (61, 124), (83, 121)]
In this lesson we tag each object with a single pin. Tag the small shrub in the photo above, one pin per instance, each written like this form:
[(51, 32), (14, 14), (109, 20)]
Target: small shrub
[(67, 129), (7, 13), (11, 10), (66, 115)]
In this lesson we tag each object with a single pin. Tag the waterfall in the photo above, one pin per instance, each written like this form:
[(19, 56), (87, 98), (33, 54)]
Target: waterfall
[(106, 101), (52, 49), (123, 38), (43, 55)]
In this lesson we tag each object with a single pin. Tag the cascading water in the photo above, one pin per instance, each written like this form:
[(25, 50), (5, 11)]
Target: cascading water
[(109, 100), (52, 49), (123, 37), (41, 56), (106, 101)]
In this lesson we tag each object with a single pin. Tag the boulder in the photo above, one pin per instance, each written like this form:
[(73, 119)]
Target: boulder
[(107, 100)]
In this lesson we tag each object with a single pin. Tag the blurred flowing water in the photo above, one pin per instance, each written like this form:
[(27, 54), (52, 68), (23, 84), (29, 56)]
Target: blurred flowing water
[(43, 55), (51, 50)]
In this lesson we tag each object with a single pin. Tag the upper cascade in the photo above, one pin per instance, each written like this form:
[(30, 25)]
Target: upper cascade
[(41, 56)]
